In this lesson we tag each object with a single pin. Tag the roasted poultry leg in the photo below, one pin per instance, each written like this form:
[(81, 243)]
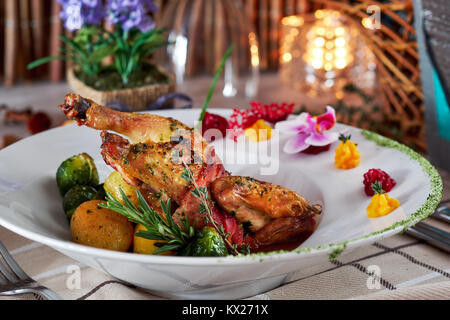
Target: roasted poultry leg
[(137, 127), (164, 147), (272, 213), (149, 164)]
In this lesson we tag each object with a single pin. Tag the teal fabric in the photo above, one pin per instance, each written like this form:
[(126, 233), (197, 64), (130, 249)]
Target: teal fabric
[(442, 108)]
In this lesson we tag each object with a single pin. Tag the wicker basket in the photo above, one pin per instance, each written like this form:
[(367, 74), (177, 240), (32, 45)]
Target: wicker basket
[(135, 99), (395, 48)]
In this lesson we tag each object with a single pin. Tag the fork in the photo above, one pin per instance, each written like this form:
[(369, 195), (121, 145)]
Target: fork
[(434, 236), (14, 281)]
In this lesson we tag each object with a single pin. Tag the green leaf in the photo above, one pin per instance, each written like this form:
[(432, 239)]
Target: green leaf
[(145, 44), (101, 53), (132, 64), (195, 193), (85, 34), (74, 45), (245, 249), (377, 188), (203, 209), (186, 176), (142, 39), (344, 138), (148, 235), (118, 64), (167, 247), (148, 50), (67, 50), (167, 213), (123, 45), (45, 60)]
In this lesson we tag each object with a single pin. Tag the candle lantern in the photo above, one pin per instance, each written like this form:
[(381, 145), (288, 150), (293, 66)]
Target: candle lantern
[(321, 52), (329, 45)]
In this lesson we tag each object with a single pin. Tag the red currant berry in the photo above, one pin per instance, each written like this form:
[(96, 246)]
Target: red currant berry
[(373, 175)]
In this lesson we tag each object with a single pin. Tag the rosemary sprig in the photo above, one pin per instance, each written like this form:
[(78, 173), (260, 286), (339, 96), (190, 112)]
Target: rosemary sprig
[(201, 193), (175, 237), (213, 85)]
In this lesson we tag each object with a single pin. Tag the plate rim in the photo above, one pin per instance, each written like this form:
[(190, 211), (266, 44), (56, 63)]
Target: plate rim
[(332, 249)]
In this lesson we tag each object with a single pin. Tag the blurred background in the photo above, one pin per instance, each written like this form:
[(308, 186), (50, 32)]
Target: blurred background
[(362, 57)]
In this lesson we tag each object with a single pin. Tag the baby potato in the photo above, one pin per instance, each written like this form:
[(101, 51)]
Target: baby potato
[(114, 183), (146, 246), (98, 227)]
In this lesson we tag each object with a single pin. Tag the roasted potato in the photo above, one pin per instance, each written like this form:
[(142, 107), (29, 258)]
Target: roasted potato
[(77, 170), (98, 227), (114, 183), (146, 246)]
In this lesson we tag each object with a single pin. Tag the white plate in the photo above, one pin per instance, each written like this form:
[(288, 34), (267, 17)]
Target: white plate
[(32, 207)]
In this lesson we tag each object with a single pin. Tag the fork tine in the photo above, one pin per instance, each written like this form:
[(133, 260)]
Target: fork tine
[(17, 281), (12, 263), (8, 275), (3, 280)]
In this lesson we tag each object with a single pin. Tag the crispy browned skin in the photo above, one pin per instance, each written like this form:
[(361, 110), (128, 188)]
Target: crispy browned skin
[(259, 202), (286, 229), (136, 126), (151, 164)]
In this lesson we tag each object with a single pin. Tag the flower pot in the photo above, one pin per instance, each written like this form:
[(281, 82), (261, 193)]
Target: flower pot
[(135, 99)]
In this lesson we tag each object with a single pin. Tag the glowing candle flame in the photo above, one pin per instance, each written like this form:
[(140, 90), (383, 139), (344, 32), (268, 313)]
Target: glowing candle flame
[(328, 45)]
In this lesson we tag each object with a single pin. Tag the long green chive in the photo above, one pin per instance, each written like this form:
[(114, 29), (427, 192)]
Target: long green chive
[(213, 85)]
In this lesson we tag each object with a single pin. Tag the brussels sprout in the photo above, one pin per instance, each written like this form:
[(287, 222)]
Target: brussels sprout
[(77, 170), (101, 193), (76, 196), (207, 243)]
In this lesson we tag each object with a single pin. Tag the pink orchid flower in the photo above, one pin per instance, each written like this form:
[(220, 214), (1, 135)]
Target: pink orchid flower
[(307, 130)]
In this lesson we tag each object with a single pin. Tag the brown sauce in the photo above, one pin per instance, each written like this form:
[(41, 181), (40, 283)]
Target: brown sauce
[(288, 246)]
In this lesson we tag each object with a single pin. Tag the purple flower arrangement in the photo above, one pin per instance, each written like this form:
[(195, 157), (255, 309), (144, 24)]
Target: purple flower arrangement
[(128, 14), (131, 14), (77, 13), (133, 39)]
